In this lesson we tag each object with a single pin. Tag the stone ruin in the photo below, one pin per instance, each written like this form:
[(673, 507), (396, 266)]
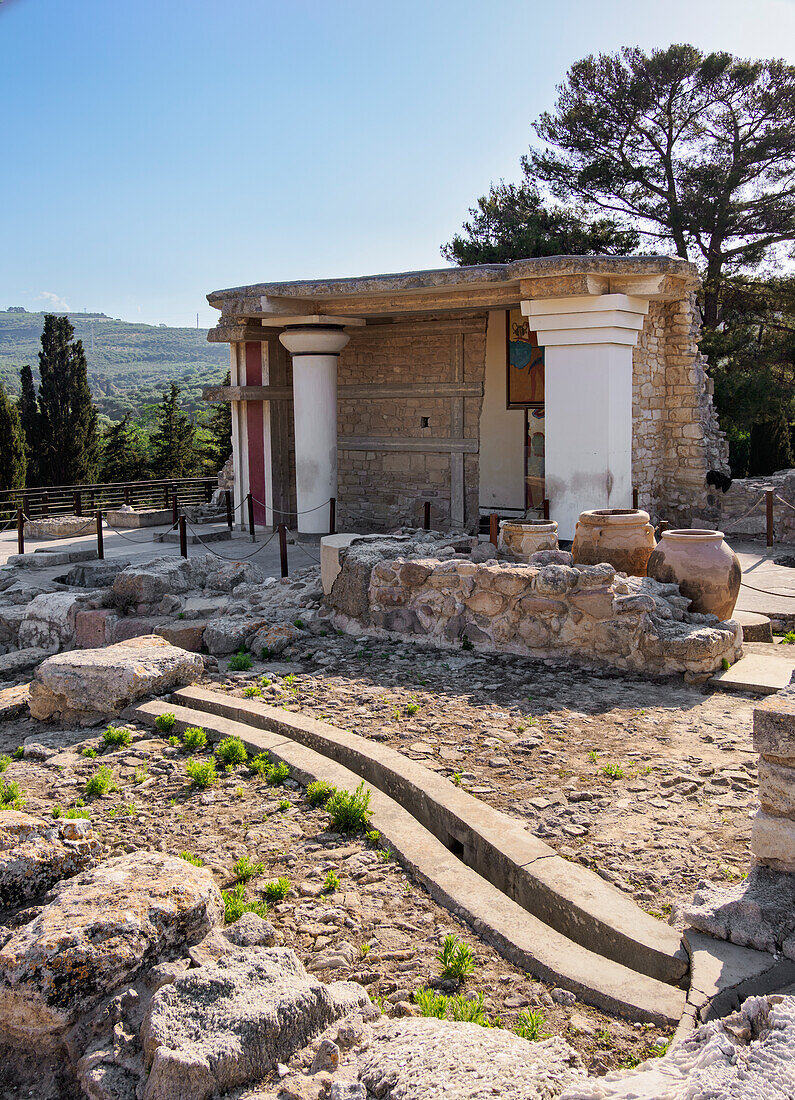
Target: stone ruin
[(460, 594)]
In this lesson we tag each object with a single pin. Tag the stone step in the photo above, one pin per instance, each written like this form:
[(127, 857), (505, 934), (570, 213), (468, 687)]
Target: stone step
[(756, 628), (518, 935), (214, 534), (45, 559)]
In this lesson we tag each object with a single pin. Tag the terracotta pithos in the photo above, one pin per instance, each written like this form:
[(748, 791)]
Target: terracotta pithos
[(623, 537), (706, 569), (520, 540)]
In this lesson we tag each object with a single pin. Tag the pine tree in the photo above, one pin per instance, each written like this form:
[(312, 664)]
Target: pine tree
[(29, 416), (69, 430), (12, 445), (124, 452), (174, 448), (220, 428)]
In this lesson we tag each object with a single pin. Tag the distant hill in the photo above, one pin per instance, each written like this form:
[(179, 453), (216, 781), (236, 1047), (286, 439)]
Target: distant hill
[(130, 365)]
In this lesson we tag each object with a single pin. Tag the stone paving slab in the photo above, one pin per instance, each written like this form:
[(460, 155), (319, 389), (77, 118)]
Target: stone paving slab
[(763, 668)]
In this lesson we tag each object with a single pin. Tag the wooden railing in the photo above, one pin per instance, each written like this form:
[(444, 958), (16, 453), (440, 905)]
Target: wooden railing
[(79, 500)]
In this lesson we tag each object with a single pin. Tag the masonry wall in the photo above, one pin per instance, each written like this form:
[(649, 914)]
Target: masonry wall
[(381, 482)]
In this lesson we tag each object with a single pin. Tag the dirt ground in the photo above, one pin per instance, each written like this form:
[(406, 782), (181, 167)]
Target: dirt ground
[(650, 784)]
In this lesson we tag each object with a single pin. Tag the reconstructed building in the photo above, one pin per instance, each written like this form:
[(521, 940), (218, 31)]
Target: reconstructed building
[(565, 379)]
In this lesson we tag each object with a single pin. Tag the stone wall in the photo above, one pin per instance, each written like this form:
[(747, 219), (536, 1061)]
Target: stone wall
[(742, 508), (676, 436), (773, 833), (379, 488), (587, 613)]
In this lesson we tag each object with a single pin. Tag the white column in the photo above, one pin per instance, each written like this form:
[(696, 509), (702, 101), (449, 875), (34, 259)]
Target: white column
[(314, 350), (588, 344)]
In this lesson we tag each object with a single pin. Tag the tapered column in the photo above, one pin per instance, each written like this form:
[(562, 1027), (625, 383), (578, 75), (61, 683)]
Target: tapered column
[(588, 344), (315, 349)]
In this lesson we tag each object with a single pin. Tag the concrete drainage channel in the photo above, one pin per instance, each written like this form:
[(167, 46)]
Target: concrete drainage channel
[(517, 934)]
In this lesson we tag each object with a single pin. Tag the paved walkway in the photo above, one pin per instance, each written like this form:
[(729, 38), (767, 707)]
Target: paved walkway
[(767, 588), (138, 546)]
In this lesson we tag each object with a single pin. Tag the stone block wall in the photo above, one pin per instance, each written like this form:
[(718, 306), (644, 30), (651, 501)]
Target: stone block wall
[(588, 613), (382, 488), (773, 832), (743, 508), (676, 436)]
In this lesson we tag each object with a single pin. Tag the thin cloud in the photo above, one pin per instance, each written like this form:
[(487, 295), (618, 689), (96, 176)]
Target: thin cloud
[(53, 300)]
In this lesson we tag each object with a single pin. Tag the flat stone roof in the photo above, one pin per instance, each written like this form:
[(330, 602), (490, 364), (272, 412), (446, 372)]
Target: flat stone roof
[(481, 275)]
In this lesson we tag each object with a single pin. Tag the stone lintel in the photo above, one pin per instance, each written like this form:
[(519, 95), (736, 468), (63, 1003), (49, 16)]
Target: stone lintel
[(219, 395)]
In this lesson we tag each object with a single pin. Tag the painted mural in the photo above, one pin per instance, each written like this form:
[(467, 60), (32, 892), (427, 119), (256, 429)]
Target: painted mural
[(525, 364)]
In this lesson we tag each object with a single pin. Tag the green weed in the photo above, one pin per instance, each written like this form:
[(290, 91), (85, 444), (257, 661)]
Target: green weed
[(613, 771), (331, 882), (89, 752), (116, 737), (350, 813), (430, 1003), (530, 1025), (252, 692), (277, 890), (467, 1010), (235, 904), (455, 958), (189, 857), (240, 661), (4, 762), (244, 869), (101, 782), (11, 797), (202, 774), (166, 722), (231, 751)]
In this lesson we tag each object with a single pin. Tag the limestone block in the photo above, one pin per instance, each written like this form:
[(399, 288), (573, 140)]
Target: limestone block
[(100, 929), (774, 725), (777, 788), (411, 1058), (274, 638), (330, 546), (185, 634), (229, 632), (60, 527), (50, 620), (485, 603), (35, 854), (123, 630), (94, 628), (222, 1026), (89, 683), (147, 583), (773, 841), (19, 661), (595, 602)]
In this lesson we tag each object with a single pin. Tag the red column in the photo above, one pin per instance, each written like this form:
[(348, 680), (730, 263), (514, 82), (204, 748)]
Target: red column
[(256, 432)]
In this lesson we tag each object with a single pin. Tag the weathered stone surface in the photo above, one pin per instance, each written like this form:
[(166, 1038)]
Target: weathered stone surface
[(94, 628), (185, 634), (426, 1059), (229, 632), (60, 527), (223, 1025), (96, 574), (749, 1055), (35, 854), (758, 913), (20, 660), (249, 931), (777, 788), (147, 583), (100, 929), (86, 683), (50, 621), (273, 639), (774, 725), (773, 841)]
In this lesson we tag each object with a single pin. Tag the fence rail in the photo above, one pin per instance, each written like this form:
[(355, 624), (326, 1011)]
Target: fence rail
[(63, 500)]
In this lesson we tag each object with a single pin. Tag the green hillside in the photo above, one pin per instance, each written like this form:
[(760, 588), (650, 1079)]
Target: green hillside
[(130, 364)]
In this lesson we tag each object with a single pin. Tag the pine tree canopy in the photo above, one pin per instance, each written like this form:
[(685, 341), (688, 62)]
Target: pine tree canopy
[(69, 442), (29, 416), (175, 450)]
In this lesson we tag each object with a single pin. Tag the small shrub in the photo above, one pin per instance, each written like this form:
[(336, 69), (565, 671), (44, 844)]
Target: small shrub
[(265, 681), (788, 638), (530, 1025), (235, 904), (194, 739), (467, 1010), (252, 692), (166, 722), (284, 804), (189, 857), (116, 737), (174, 741), (373, 836), (319, 792), (412, 709), (725, 664), (4, 762), (466, 644), (101, 782), (350, 813), (384, 854), (57, 811), (244, 869), (276, 774), (11, 797), (89, 752), (457, 778), (202, 774), (613, 771), (455, 958), (331, 882), (74, 814), (240, 661), (260, 763), (300, 624), (19, 752), (231, 751), (277, 890), (430, 1003), (140, 774)]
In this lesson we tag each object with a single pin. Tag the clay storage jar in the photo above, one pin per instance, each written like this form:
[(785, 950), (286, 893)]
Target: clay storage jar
[(706, 569), (623, 537), (520, 540)]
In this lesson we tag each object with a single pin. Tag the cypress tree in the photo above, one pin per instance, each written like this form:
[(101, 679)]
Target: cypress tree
[(221, 431), (68, 417), (29, 416), (12, 445), (174, 446)]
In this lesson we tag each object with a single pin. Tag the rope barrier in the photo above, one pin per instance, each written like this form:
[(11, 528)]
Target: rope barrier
[(786, 502), (304, 551), (224, 557), (767, 592), (136, 542), (269, 507), (745, 515)]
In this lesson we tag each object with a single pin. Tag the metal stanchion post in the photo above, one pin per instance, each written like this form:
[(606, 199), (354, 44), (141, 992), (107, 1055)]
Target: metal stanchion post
[(251, 518), (635, 497), (545, 507), (183, 537), (769, 515), (426, 519), (332, 516), (228, 499), (100, 543), (78, 503), (174, 509), (494, 528), (283, 548), (20, 531)]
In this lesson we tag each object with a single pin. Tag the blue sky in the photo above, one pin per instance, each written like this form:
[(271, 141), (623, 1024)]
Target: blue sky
[(159, 149)]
